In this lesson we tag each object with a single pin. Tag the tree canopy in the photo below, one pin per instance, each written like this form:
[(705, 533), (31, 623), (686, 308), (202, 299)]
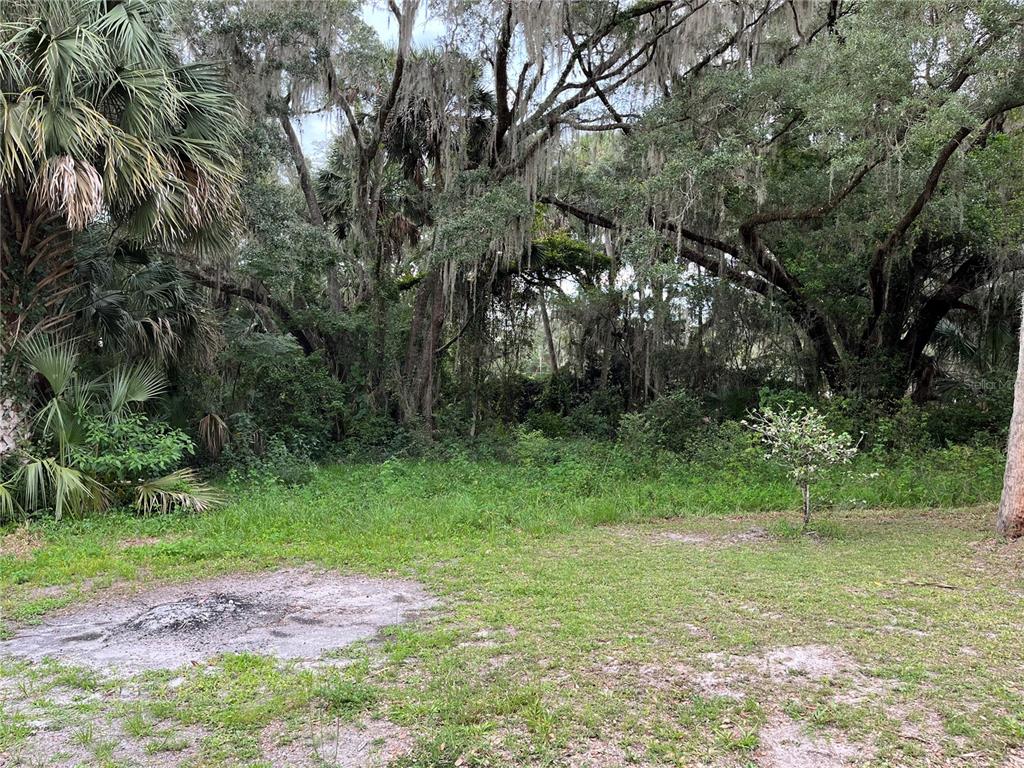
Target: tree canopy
[(538, 205)]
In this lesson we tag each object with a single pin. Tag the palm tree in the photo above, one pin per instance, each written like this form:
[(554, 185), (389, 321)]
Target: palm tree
[(91, 441), (101, 120)]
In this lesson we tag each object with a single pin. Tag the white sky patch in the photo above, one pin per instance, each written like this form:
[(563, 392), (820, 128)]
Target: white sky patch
[(317, 131)]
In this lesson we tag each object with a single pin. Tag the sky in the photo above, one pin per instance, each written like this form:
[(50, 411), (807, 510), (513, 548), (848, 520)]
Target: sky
[(316, 131)]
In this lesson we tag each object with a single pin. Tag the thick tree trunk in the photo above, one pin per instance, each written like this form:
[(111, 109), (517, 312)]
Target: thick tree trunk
[(1011, 506), (421, 354)]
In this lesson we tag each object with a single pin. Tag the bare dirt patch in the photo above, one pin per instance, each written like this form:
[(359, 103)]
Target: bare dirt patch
[(596, 753), (135, 542), (751, 536), (368, 744), (21, 543), (1014, 759), (663, 536), (729, 672), (785, 744), (295, 613)]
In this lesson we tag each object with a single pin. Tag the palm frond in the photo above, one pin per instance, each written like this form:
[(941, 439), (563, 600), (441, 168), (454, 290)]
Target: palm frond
[(8, 505), (20, 143), (214, 433), (70, 489), (71, 187), (53, 359), (179, 490), (135, 384)]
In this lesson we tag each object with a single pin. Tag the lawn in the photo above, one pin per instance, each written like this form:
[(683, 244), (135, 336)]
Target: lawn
[(592, 613)]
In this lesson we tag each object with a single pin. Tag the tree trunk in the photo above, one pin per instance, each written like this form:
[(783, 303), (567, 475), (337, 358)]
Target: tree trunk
[(428, 368), (1011, 506), (546, 320), (806, 488)]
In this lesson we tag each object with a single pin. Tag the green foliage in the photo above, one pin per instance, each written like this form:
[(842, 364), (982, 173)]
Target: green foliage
[(100, 114), (960, 416), (344, 697), (128, 448), (674, 419), (563, 255), (635, 436), (92, 447), (801, 440), (285, 393), (480, 216), (533, 448), (249, 459), (548, 424), (179, 490)]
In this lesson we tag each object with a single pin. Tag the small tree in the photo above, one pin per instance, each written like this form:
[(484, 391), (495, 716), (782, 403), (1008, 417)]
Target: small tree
[(801, 441)]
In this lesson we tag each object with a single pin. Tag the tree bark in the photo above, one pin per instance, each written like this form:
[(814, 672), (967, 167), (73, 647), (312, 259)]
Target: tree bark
[(1010, 521)]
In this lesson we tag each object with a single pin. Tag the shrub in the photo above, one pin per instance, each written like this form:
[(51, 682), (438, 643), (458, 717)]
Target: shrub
[(129, 447), (967, 417), (91, 445), (673, 420), (635, 434), (287, 392), (549, 424), (249, 458), (598, 416), (533, 449), (801, 441)]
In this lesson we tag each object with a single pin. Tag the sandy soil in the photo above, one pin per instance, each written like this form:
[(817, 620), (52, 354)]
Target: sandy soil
[(295, 613)]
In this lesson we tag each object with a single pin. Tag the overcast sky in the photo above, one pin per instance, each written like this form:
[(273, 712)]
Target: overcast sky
[(316, 131)]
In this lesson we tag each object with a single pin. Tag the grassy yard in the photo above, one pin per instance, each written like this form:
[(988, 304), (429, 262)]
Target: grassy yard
[(592, 614)]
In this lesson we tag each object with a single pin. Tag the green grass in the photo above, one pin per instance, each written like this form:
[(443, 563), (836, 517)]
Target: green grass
[(397, 514), (580, 603)]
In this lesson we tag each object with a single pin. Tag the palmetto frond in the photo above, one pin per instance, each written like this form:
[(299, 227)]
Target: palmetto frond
[(98, 113), (53, 359), (214, 433), (135, 384), (68, 185), (48, 481), (56, 360), (179, 490), (8, 504)]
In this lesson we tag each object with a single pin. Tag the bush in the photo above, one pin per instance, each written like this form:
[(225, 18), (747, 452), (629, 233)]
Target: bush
[(533, 449), (801, 441), (549, 424), (287, 393), (375, 436), (91, 445), (128, 448), (674, 420), (966, 417), (277, 464), (635, 435)]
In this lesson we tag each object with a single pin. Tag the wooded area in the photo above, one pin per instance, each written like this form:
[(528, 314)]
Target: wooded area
[(547, 213)]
